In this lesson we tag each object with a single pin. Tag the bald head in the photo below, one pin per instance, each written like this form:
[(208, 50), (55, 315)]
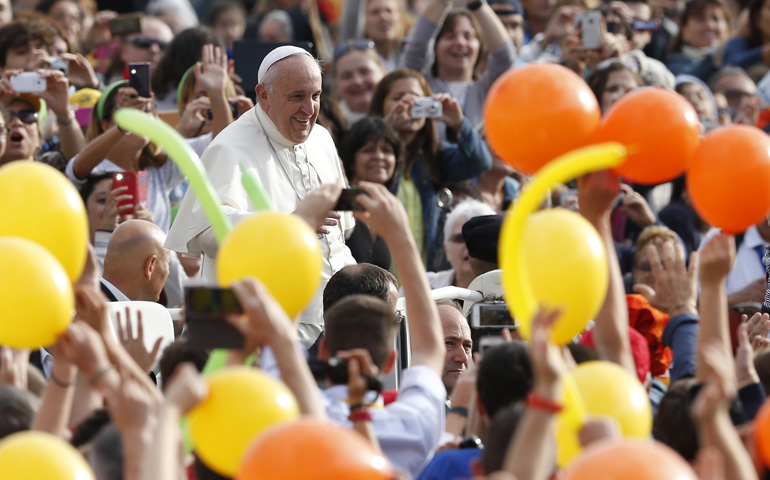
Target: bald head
[(136, 262)]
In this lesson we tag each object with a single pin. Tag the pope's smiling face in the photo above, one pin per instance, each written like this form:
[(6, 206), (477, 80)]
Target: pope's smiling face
[(291, 96)]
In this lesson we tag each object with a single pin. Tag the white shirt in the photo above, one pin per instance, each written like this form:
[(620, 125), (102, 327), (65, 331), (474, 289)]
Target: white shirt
[(410, 428), (286, 180), (119, 296), (748, 265)]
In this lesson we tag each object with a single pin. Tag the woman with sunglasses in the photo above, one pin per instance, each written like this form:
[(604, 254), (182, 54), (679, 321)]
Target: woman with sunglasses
[(357, 70), (429, 165), (25, 140), (145, 46), (110, 149), (460, 41)]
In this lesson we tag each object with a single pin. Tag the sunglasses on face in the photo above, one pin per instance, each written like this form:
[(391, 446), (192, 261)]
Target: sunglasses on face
[(26, 116), (359, 44), (147, 42)]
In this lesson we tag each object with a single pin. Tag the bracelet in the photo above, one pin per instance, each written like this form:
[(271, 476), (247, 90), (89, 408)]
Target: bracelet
[(462, 411), (363, 416), (68, 121), (58, 381), (358, 406), (535, 401), (98, 375)]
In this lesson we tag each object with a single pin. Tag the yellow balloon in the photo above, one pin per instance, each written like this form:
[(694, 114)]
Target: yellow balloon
[(607, 389), (566, 266), (242, 403), (519, 292), (35, 293), (280, 250), (38, 455), (569, 422), (37, 202)]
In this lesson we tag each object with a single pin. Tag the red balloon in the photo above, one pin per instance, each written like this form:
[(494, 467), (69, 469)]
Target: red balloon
[(538, 112), (309, 448), (729, 178), (629, 460), (660, 129)]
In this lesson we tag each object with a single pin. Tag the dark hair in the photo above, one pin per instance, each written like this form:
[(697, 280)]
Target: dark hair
[(183, 51), (180, 351), (17, 410), (505, 376), (448, 26), (369, 129), (219, 7), (426, 145), (696, 7), (21, 32), (673, 425), (755, 35), (499, 435), (599, 78), (361, 321), (582, 353), (88, 188), (106, 454), (86, 430), (359, 279), (54, 158)]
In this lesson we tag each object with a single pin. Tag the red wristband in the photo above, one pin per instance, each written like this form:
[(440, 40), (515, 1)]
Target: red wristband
[(360, 416), (534, 401)]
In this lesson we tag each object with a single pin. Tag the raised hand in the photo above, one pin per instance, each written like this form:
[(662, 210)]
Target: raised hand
[(211, 72), (676, 285), (134, 344)]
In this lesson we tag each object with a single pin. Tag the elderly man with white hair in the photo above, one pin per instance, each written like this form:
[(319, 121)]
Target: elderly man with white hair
[(279, 142), (460, 275)]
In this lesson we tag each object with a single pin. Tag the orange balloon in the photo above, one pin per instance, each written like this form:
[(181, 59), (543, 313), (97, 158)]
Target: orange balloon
[(729, 177), (660, 129), (308, 448), (629, 460), (538, 112), (762, 433)]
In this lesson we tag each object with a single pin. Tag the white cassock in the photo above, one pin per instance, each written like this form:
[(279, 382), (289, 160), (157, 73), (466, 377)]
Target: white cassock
[(287, 172)]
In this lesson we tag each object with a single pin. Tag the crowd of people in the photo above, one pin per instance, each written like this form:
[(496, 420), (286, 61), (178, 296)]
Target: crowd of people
[(385, 97)]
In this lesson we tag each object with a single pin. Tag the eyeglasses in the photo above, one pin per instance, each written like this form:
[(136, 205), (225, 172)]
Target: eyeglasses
[(737, 94), (147, 42), (457, 238), (359, 44), (26, 116), (400, 316)]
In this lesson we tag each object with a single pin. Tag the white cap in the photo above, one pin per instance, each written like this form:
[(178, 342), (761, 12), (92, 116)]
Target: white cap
[(277, 55)]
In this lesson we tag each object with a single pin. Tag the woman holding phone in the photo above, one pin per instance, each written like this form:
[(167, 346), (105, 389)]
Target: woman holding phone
[(428, 165)]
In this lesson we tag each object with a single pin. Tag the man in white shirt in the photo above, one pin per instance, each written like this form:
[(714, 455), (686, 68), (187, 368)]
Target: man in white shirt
[(280, 144), (408, 429)]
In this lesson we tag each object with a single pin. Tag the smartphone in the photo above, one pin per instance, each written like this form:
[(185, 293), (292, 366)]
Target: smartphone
[(137, 187), (427, 108), (347, 201), (491, 315), (126, 24), (233, 110), (28, 82), (206, 310), (646, 26), (139, 78), (591, 28)]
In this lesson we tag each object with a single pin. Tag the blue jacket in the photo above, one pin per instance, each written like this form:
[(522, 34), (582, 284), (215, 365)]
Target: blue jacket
[(466, 157)]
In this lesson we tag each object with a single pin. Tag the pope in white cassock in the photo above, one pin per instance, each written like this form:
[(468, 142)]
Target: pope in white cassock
[(279, 142)]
